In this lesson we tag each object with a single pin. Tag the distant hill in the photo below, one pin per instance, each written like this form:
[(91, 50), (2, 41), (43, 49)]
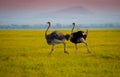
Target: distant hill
[(75, 10)]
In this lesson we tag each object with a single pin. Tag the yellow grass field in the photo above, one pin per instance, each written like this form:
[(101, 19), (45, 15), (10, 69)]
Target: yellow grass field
[(24, 53)]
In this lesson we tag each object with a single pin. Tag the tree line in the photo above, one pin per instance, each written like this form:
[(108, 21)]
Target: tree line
[(59, 26)]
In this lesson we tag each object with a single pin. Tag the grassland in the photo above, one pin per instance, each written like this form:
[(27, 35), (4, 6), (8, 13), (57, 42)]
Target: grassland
[(23, 53)]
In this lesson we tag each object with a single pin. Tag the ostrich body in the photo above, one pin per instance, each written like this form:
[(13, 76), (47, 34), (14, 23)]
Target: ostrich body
[(56, 37), (79, 37)]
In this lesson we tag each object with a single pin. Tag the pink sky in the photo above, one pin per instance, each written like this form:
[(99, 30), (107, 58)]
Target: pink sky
[(30, 11), (58, 4)]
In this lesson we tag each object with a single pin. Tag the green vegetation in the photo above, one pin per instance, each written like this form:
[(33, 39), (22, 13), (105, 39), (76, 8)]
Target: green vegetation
[(24, 53)]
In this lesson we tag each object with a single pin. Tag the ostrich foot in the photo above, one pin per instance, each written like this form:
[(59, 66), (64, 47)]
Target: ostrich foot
[(89, 51), (66, 52), (49, 54), (76, 51)]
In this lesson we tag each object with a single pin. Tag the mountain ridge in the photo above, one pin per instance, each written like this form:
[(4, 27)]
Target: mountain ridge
[(79, 10)]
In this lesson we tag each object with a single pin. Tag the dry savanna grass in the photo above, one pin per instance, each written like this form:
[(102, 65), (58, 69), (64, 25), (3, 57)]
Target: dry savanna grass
[(24, 53)]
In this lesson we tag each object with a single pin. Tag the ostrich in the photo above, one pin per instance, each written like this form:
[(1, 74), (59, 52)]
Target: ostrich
[(79, 37), (56, 37)]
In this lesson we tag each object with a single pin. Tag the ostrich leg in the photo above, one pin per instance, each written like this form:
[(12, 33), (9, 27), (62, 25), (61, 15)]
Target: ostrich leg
[(76, 46), (82, 39), (51, 50), (65, 51)]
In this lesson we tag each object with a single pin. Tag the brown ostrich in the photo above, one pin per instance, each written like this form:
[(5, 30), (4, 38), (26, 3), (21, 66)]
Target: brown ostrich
[(56, 37)]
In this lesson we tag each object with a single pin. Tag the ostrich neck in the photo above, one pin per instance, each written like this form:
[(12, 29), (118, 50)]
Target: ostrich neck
[(73, 28), (47, 30)]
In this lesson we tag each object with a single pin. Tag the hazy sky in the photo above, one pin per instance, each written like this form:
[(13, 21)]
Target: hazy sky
[(12, 11), (57, 4)]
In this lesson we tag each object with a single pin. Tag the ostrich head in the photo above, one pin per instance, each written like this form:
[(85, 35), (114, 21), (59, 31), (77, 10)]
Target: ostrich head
[(73, 23), (49, 23)]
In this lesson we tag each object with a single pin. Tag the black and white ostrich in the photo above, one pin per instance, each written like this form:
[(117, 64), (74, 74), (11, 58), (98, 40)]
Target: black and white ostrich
[(79, 37), (56, 37)]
